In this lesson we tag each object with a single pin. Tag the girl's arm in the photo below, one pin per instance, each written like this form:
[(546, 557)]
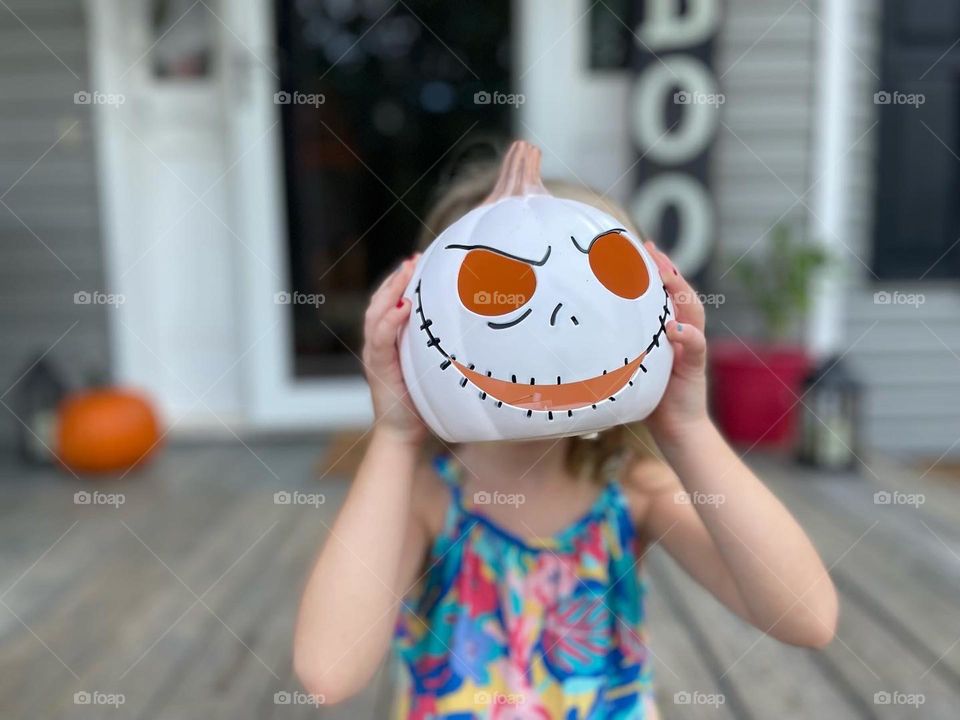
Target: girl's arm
[(728, 530), (377, 542)]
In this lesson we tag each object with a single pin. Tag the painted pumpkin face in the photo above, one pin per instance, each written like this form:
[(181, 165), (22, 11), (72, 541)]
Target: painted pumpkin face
[(535, 316)]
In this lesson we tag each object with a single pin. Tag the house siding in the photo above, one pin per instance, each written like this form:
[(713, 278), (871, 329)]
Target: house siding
[(907, 357), (50, 230), (765, 59)]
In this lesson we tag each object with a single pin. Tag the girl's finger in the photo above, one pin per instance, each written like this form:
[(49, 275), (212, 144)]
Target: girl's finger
[(383, 339), (692, 341), (668, 272), (686, 301), (392, 286), (389, 293)]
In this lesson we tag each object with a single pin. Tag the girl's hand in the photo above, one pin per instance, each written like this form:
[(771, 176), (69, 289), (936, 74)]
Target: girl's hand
[(386, 314), (684, 405)]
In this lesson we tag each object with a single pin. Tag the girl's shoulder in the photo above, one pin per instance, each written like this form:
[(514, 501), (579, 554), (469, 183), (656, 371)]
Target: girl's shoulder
[(644, 480)]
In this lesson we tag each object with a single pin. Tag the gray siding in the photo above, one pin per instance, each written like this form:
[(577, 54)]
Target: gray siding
[(908, 356), (765, 57), (53, 250)]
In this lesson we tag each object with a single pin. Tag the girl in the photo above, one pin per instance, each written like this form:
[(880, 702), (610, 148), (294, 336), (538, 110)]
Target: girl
[(532, 606)]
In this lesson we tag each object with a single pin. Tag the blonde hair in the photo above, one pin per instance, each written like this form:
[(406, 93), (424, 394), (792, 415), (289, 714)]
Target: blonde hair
[(465, 191)]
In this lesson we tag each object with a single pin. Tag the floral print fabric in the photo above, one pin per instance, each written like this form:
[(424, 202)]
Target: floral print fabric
[(506, 628)]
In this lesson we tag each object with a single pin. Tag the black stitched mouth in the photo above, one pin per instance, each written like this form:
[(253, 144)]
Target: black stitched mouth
[(448, 359)]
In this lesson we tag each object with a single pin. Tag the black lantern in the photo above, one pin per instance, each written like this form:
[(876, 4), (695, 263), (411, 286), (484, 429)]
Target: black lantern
[(830, 420), (36, 397)]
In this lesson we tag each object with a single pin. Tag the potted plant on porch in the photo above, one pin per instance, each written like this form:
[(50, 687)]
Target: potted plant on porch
[(755, 384)]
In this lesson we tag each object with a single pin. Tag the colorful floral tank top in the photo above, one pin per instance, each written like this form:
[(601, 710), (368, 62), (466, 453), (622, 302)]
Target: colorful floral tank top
[(507, 628)]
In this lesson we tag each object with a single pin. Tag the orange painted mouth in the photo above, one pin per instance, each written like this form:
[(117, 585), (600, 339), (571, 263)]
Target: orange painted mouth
[(568, 396), (565, 396)]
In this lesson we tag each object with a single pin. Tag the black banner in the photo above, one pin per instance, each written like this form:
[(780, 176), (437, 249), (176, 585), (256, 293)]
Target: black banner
[(674, 115)]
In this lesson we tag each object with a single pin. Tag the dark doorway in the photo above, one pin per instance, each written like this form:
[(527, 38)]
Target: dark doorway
[(376, 98)]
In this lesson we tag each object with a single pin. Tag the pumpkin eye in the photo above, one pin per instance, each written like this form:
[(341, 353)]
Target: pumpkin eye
[(492, 284), (617, 263)]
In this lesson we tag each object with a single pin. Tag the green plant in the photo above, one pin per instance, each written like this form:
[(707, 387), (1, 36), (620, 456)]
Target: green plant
[(779, 283)]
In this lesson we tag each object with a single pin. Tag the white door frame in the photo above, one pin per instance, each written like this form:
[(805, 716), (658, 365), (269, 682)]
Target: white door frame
[(268, 395)]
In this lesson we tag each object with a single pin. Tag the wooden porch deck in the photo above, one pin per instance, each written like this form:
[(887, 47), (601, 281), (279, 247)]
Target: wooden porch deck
[(182, 598)]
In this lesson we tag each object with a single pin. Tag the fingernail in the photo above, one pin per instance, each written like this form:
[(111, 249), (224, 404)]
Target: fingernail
[(400, 303), (679, 327)]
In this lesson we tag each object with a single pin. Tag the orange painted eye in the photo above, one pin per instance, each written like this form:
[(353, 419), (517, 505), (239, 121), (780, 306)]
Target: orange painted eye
[(492, 284), (619, 266)]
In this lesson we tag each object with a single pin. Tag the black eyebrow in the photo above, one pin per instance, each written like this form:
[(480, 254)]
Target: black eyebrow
[(605, 232), (500, 252)]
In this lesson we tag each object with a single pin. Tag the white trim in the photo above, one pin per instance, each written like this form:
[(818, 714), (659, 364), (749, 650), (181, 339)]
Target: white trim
[(108, 147), (579, 144), (832, 166)]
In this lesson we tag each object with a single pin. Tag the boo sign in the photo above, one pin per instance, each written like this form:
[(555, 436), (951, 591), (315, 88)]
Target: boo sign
[(674, 116)]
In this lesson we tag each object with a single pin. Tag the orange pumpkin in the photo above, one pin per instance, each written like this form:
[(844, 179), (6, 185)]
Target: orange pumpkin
[(106, 429)]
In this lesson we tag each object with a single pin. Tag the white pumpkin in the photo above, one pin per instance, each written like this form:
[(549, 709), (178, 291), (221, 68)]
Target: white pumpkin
[(534, 316)]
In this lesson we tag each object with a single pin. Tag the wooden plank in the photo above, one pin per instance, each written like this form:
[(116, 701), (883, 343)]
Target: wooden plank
[(42, 508), (210, 670), (678, 660), (142, 596), (273, 640), (895, 575), (759, 676), (200, 660)]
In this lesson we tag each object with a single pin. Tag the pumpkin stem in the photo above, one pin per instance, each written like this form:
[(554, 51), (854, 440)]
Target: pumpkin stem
[(519, 173)]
